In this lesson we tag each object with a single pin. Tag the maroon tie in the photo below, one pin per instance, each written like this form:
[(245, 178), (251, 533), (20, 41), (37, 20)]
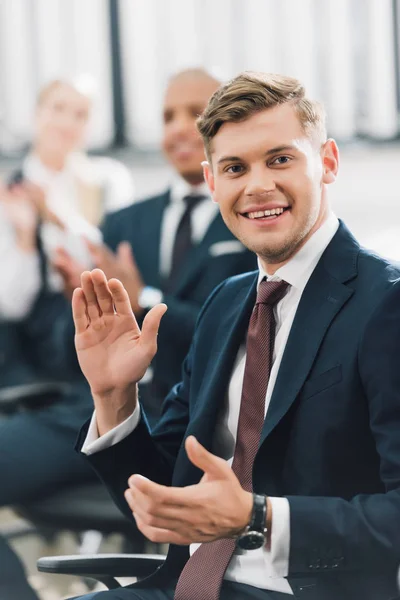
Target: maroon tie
[(202, 576)]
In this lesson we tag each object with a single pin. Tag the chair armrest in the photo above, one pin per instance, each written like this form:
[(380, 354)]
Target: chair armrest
[(18, 393), (98, 566)]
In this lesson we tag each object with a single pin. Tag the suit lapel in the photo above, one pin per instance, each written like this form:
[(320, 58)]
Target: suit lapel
[(324, 296), (229, 333)]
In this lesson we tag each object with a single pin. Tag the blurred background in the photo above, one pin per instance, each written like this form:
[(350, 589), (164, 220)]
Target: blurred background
[(346, 51), (122, 52)]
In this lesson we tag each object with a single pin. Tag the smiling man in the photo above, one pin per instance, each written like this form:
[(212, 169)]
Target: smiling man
[(275, 468)]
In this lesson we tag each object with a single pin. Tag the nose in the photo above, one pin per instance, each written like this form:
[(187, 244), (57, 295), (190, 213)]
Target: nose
[(260, 181), (182, 125)]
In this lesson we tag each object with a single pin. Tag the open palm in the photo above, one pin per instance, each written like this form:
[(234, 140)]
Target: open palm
[(112, 351)]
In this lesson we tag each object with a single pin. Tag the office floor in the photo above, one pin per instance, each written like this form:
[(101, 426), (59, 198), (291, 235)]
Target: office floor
[(366, 196)]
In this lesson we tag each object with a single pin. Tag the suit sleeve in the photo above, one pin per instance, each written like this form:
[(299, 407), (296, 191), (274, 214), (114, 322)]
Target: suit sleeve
[(364, 532), (150, 454)]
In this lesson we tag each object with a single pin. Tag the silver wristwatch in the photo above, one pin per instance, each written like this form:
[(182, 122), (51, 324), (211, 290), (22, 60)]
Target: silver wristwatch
[(149, 297)]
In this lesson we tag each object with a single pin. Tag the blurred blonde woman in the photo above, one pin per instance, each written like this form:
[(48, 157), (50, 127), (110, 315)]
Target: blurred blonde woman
[(55, 200), (76, 190)]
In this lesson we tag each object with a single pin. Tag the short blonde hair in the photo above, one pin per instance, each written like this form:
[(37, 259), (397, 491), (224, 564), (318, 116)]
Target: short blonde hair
[(81, 85), (249, 93)]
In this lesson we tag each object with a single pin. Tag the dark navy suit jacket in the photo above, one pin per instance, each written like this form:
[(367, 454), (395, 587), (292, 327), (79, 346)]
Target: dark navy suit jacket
[(331, 438), (140, 224)]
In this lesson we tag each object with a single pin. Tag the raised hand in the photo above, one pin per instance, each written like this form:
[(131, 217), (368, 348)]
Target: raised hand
[(122, 266), (112, 351)]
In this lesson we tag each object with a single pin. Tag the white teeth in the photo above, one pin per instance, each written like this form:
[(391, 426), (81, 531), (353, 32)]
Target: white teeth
[(265, 213)]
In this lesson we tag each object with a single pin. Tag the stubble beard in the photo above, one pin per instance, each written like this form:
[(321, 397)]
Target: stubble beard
[(287, 248)]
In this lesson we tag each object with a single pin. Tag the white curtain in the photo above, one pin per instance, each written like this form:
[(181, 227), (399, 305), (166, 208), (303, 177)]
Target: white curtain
[(45, 39), (344, 51)]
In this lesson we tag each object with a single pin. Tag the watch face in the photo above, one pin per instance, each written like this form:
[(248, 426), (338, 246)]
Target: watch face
[(251, 540)]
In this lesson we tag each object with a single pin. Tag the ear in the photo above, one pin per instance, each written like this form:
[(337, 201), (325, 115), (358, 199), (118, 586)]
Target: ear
[(209, 177), (330, 161)]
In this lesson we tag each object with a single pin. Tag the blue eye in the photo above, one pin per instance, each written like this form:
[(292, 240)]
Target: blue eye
[(281, 160), (234, 169)]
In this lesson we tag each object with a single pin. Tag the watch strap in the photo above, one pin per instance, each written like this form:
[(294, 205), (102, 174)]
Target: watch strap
[(259, 513)]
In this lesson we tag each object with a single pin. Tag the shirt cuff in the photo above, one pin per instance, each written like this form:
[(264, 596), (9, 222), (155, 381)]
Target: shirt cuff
[(93, 443), (280, 537)]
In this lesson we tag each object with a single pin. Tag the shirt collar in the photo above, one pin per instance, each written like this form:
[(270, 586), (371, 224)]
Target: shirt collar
[(181, 188), (298, 270)]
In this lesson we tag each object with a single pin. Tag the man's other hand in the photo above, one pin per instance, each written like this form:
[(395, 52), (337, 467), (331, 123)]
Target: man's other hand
[(217, 507)]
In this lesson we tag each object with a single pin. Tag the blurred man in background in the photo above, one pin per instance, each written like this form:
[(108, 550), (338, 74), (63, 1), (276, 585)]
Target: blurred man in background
[(173, 247)]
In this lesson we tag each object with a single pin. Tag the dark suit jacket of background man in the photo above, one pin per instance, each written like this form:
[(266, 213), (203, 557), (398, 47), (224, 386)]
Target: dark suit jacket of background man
[(331, 438), (218, 256)]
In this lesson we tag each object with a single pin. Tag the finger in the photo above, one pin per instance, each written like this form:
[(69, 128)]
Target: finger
[(120, 298), (206, 461), (150, 327), (61, 252), (164, 518), (79, 311), (93, 307), (125, 254), (162, 536), (104, 297), (100, 254), (157, 494), (62, 262)]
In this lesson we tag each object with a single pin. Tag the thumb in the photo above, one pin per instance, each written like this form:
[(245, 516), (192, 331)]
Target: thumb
[(150, 326), (98, 252), (124, 253), (212, 465)]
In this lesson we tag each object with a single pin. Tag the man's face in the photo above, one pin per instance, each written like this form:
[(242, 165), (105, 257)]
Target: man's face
[(185, 100), (268, 163)]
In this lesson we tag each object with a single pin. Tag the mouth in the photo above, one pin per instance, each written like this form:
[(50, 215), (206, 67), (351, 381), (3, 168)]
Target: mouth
[(184, 149), (267, 215)]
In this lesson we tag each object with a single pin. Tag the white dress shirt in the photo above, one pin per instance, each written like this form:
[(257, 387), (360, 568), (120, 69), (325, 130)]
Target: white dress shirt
[(201, 218), (262, 568), (62, 197), (20, 272)]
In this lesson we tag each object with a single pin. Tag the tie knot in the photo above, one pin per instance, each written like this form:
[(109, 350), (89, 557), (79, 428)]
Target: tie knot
[(192, 200), (270, 292)]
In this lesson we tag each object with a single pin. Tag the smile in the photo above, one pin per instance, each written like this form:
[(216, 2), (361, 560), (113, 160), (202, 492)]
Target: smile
[(262, 214)]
